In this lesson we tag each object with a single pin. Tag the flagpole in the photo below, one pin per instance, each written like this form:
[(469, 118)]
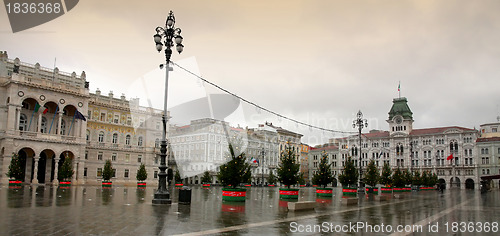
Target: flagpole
[(32, 114), (69, 132), (53, 118), (399, 89)]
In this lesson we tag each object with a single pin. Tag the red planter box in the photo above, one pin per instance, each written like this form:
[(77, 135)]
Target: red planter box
[(289, 193), (349, 191), (15, 183), (234, 194), (107, 184)]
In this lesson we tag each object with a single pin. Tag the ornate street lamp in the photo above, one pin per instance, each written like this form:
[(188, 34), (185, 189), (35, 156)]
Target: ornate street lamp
[(263, 156), (170, 34), (360, 123)]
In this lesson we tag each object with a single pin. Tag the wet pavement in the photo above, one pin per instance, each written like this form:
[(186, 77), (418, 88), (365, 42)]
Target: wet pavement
[(91, 210)]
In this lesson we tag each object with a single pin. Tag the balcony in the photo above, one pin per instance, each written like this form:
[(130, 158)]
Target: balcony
[(35, 136)]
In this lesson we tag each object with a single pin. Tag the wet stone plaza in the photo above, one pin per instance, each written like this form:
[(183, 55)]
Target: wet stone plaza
[(92, 210)]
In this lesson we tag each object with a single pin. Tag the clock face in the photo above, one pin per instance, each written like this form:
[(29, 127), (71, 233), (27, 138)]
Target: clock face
[(398, 120)]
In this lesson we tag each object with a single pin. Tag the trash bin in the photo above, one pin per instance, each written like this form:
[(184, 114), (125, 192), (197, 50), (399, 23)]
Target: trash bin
[(185, 195)]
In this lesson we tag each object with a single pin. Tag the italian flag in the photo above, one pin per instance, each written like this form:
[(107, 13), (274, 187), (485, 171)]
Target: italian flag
[(37, 107)]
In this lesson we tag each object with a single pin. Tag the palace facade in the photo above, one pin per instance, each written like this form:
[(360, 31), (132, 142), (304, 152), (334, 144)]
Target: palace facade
[(450, 152), (47, 116)]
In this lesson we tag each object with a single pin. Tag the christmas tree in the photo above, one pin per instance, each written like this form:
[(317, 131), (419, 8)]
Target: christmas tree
[(425, 178), (372, 176), (177, 176), (142, 174), (386, 178), (107, 172), (416, 178), (408, 177), (235, 171), (398, 179), (324, 175), (16, 171), (206, 178), (288, 169), (350, 175), (271, 179), (66, 170)]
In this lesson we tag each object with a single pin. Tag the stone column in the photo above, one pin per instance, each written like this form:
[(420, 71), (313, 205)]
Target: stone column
[(18, 117), (39, 125), (35, 170), (56, 171), (75, 168), (59, 121)]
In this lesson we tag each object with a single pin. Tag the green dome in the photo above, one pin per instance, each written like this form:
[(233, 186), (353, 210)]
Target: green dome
[(400, 107)]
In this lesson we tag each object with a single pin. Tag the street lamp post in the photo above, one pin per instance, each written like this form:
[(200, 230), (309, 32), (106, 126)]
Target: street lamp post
[(169, 33), (263, 153), (360, 123)]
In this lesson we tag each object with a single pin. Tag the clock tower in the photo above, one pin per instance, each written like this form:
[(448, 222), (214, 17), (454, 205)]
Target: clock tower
[(400, 117)]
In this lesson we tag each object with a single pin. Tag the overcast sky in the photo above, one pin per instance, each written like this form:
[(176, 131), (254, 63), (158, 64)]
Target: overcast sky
[(315, 61)]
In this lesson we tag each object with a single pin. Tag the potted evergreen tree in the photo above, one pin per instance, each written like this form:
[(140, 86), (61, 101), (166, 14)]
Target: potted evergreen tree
[(386, 179), (349, 178), (323, 177), (65, 172), (288, 174), (178, 179), (372, 177), (398, 180), (271, 179), (206, 179), (416, 180), (434, 180), (107, 174), (16, 171), (141, 176), (408, 177), (232, 174)]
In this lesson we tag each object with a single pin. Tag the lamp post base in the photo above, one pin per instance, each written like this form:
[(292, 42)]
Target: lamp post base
[(162, 198)]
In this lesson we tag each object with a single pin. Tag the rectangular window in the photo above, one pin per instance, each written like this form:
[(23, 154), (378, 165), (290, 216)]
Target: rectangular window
[(86, 155), (99, 172), (114, 173), (155, 174), (85, 172), (139, 158), (99, 156), (103, 116), (125, 173), (127, 158), (117, 118), (113, 157)]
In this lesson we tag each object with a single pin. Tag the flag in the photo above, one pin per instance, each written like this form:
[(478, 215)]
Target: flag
[(450, 157), (254, 161), (79, 115), (37, 107), (399, 87)]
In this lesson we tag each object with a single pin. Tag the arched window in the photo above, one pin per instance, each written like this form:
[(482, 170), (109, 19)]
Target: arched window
[(88, 135), (127, 139), (115, 138), (101, 137), (63, 127), (399, 149), (43, 128), (22, 122), (26, 105), (139, 142)]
